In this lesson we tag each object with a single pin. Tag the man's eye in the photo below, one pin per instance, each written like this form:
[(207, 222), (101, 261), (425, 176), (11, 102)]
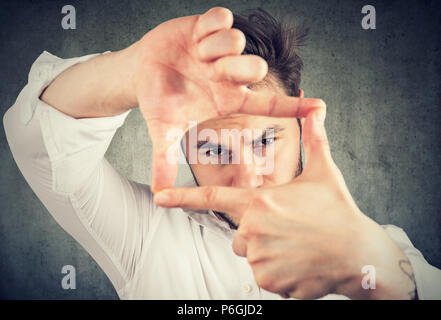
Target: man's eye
[(264, 142), (216, 152)]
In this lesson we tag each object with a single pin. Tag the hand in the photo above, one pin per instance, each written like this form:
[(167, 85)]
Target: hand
[(191, 69), (307, 238)]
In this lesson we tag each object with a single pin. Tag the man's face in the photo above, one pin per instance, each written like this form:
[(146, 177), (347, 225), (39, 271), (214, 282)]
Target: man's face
[(276, 140), (265, 157)]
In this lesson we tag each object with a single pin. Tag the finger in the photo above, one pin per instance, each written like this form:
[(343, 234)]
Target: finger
[(311, 289), (211, 21), (221, 43), (166, 143), (315, 143), (239, 245), (164, 173), (272, 105), (243, 69), (224, 199)]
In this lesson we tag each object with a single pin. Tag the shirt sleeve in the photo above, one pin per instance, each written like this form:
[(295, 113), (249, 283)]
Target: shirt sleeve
[(62, 159), (427, 277)]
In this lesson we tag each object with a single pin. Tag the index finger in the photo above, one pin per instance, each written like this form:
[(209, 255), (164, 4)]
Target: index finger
[(273, 105), (234, 201), (213, 20)]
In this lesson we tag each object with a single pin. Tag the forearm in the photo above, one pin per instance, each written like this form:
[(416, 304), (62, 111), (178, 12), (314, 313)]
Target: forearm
[(398, 283), (100, 87), (392, 276)]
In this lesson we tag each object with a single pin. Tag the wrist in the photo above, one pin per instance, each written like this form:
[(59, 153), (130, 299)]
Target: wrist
[(99, 87), (117, 71), (380, 269)]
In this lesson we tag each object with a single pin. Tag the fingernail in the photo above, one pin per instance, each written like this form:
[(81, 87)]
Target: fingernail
[(162, 198)]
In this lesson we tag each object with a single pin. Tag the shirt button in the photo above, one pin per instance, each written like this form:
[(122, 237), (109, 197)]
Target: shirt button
[(247, 288)]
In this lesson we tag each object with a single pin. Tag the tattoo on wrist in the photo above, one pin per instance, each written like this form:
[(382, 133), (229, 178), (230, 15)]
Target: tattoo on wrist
[(406, 267)]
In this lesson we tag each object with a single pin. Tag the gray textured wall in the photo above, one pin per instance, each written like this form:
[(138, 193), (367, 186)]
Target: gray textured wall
[(382, 88)]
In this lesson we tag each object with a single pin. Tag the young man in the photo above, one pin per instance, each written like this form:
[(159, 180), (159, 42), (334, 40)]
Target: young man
[(192, 69)]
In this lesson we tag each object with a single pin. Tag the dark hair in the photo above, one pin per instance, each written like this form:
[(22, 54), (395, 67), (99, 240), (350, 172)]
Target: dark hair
[(277, 43)]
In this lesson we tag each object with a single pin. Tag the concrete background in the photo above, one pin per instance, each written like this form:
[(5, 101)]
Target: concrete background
[(382, 88)]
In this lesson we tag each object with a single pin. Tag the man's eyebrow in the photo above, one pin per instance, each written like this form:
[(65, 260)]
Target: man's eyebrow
[(271, 129), (276, 128), (207, 144)]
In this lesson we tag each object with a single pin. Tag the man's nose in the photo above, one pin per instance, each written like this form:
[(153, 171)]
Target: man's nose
[(245, 175)]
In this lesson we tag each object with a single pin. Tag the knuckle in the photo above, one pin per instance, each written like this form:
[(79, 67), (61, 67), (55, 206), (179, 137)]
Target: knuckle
[(238, 252), (253, 207), (238, 39), (301, 293), (254, 255), (318, 104), (219, 68), (266, 281), (297, 294), (261, 201), (209, 195), (246, 202), (238, 247), (321, 103), (201, 49), (248, 229), (307, 290), (245, 231), (253, 258), (272, 105)]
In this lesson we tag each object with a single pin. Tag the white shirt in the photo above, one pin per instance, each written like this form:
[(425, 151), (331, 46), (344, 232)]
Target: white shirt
[(148, 252)]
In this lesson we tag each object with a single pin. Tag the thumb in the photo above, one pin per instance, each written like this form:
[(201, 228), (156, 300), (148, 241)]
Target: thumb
[(164, 173), (166, 145), (234, 201), (315, 142)]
